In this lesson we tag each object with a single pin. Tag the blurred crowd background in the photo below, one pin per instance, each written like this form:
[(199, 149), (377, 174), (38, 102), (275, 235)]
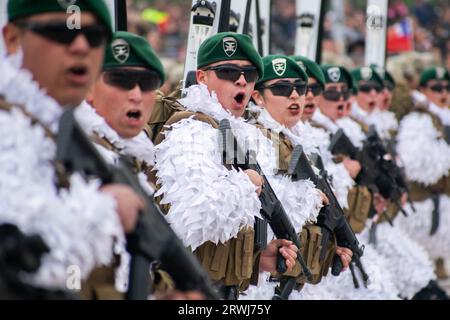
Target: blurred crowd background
[(418, 32)]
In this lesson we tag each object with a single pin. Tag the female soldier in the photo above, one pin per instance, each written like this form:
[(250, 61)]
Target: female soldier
[(280, 98)]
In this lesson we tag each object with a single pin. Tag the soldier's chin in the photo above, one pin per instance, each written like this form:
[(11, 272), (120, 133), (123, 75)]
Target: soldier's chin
[(237, 109), (70, 97)]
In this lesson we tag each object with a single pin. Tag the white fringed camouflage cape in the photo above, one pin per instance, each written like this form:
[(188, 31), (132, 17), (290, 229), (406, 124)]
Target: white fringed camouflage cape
[(139, 147), (396, 247), (207, 201), (300, 199), (426, 157), (79, 224)]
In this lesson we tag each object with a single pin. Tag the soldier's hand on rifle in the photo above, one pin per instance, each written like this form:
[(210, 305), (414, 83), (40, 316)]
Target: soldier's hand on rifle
[(353, 167), (404, 198), (379, 203), (128, 204), (268, 260), (345, 254), (324, 197), (256, 179)]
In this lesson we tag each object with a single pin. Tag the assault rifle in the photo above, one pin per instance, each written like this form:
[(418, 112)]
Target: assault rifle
[(272, 210), (153, 239), (331, 217), (378, 172)]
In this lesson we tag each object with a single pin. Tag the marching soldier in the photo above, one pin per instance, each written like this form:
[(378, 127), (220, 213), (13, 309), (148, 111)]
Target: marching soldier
[(280, 98), (349, 194), (388, 239), (115, 112), (370, 100), (422, 145), (50, 68), (115, 115), (213, 208), (393, 244)]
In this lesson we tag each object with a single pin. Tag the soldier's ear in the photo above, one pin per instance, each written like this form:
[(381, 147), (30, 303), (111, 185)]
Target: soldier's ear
[(11, 35), (258, 98), (201, 76)]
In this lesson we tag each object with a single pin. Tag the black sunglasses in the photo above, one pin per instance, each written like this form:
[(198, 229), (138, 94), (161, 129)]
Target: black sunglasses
[(148, 80), (334, 95), (95, 34), (440, 87), (315, 88), (232, 72), (285, 88), (369, 86)]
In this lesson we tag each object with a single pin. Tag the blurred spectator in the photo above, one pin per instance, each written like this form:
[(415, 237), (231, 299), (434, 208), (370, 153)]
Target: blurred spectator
[(165, 23), (356, 51), (284, 25), (425, 13)]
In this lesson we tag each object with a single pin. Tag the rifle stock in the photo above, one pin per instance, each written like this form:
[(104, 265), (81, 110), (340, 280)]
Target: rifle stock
[(153, 239)]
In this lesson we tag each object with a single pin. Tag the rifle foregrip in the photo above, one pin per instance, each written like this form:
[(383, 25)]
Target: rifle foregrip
[(281, 263), (283, 292), (139, 281), (337, 266)]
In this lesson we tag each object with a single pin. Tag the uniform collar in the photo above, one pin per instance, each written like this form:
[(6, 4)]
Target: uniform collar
[(139, 147)]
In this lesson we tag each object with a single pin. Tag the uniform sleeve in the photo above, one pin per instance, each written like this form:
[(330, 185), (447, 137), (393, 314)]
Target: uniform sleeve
[(424, 153), (207, 201)]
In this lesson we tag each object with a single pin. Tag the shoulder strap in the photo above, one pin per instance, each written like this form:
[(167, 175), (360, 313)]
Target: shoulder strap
[(364, 127), (283, 144), (178, 116), (103, 142), (6, 106), (165, 107), (437, 123), (315, 124)]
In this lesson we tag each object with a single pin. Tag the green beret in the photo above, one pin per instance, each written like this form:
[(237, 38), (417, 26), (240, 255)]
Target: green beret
[(367, 74), (389, 78), (18, 9), (312, 69), (335, 74), (129, 50), (280, 67), (225, 46), (437, 73), (384, 74)]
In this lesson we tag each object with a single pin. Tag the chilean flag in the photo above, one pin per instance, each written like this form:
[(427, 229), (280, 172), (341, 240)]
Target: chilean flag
[(400, 37)]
